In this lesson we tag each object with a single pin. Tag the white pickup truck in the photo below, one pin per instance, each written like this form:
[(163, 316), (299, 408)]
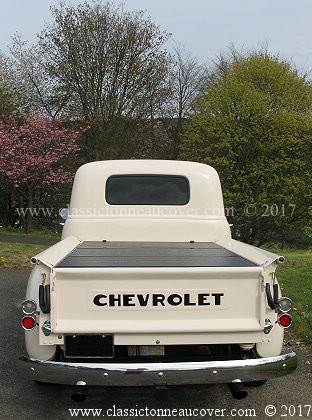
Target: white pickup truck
[(148, 288)]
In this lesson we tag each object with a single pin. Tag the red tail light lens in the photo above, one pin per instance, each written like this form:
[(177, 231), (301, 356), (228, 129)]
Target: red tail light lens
[(285, 320), (28, 322)]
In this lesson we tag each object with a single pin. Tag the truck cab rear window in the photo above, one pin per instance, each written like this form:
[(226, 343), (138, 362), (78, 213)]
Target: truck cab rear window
[(170, 190)]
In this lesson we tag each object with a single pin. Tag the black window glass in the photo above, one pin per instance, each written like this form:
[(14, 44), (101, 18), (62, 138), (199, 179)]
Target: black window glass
[(147, 189)]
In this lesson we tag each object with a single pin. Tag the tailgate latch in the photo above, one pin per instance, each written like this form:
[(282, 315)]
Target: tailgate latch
[(44, 298)]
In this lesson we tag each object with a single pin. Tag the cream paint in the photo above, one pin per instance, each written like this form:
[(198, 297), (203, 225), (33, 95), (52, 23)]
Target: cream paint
[(240, 318)]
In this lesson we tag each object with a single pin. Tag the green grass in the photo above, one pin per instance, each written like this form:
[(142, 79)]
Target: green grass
[(35, 234), (17, 255), (295, 278)]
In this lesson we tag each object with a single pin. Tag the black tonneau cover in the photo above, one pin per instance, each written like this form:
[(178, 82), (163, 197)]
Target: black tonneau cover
[(152, 254)]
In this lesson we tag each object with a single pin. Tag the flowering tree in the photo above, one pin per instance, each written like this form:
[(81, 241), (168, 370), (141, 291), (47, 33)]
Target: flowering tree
[(31, 156)]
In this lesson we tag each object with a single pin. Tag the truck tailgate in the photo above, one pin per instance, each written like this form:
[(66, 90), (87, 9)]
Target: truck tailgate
[(144, 288)]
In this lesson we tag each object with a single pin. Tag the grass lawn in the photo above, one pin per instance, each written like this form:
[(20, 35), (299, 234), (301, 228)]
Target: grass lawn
[(35, 234), (17, 255), (295, 278)]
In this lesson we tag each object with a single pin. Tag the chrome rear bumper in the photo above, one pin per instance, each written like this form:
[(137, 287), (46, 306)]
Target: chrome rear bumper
[(149, 374)]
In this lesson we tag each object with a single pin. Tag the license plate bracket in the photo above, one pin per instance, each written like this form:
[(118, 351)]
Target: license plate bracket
[(89, 346)]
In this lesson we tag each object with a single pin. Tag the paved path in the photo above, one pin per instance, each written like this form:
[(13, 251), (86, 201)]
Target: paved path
[(27, 240), (21, 398)]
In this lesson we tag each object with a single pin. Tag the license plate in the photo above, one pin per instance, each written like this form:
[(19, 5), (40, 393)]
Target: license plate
[(89, 346)]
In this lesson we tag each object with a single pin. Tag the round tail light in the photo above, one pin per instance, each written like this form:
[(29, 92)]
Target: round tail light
[(29, 307), (284, 320), (28, 322), (285, 304)]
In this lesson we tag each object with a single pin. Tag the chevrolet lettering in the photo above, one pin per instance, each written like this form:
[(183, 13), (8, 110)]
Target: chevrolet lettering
[(148, 288), (157, 299)]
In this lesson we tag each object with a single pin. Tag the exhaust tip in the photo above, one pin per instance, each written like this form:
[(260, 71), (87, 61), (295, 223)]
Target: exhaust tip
[(237, 389), (80, 392), (78, 397), (161, 392)]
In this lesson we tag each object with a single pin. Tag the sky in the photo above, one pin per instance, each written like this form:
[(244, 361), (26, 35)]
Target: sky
[(203, 27)]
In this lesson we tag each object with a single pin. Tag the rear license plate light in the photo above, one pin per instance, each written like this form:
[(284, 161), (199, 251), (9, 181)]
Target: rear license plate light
[(148, 351)]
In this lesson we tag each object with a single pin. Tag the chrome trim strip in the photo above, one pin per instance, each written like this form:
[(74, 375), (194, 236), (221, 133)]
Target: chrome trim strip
[(149, 374)]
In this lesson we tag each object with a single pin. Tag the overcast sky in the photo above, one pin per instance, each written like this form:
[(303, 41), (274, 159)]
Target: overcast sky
[(204, 27)]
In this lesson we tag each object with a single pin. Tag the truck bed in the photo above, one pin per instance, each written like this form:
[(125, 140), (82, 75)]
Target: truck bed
[(152, 254)]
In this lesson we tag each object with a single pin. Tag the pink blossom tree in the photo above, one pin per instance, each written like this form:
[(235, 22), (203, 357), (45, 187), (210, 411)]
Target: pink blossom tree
[(31, 156)]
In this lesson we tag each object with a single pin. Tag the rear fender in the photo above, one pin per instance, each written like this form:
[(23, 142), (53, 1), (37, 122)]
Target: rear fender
[(34, 349), (272, 346)]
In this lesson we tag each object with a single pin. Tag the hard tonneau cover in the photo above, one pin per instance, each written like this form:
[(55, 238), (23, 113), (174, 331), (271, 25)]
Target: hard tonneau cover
[(152, 254)]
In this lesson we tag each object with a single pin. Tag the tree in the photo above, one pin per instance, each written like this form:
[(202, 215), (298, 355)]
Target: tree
[(41, 92), (254, 126), (187, 80), (12, 100), (31, 157), (224, 61), (100, 65)]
